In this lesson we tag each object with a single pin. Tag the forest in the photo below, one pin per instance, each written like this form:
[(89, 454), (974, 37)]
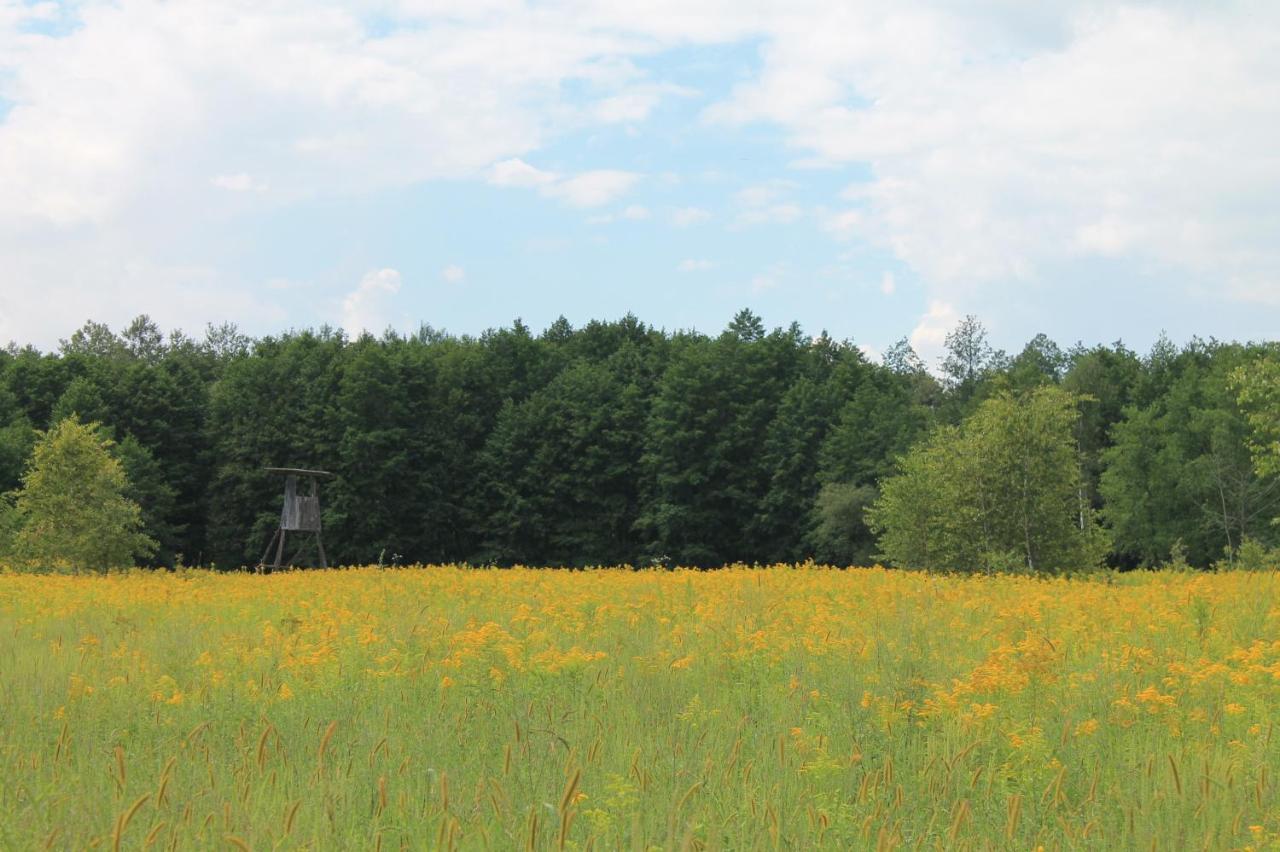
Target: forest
[(620, 443)]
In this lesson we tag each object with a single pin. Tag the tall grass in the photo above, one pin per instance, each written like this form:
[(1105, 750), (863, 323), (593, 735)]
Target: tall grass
[(739, 709)]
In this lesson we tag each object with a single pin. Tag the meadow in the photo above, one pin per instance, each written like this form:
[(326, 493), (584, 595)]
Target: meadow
[(774, 708)]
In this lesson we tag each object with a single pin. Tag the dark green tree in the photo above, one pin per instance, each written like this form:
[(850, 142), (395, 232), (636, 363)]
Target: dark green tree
[(1104, 380), (705, 437), (275, 408), (1040, 362), (839, 534), (93, 340), (17, 437), (790, 457), (1180, 469), (143, 340), (970, 359), (561, 468)]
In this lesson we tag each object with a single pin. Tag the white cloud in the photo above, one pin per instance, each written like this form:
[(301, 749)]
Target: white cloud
[(594, 188), (764, 194), (774, 214), (240, 182), (929, 336), (587, 189), (365, 307), (694, 265), (1002, 144), (683, 217), (627, 106), (846, 224), (111, 281), (770, 278), (766, 204), (516, 172), (454, 274), (888, 284), (115, 132), (761, 283), (999, 141), (634, 103), (139, 97), (631, 213), (279, 283)]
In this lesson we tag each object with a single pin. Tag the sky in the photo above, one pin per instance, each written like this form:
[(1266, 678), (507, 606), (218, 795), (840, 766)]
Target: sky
[(1095, 171)]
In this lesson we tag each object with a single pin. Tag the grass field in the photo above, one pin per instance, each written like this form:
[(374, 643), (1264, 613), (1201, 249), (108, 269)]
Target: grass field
[(737, 709)]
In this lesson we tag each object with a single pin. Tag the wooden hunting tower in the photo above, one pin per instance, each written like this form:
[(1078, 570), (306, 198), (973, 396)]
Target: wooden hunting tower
[(301, 513)]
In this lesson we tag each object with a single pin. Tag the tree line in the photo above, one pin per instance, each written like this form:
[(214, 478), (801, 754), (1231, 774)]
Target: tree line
[(621, 443)]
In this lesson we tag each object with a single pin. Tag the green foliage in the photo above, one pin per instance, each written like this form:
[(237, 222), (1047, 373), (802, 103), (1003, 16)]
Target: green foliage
[(273, 409), (1179, 467), (969, 355), (614, 441), (94, 340), (1007, 480), (794, 445), (72, 510), (839, 534), (968, 367), (149, 487), (1041, 362), (1257, 387), (16, 442), (1177, 557), (1104, 380), (586, 425), (878, 423), (1251, 555), (708, 423), (82, 399), (382, 501), (10, 522)]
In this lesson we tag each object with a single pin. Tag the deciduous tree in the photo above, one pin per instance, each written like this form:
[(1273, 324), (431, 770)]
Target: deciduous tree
[(72, 509), (1001, 488)]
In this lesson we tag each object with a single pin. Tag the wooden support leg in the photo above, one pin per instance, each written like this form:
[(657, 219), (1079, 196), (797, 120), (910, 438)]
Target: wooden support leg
[(279, 550), (262, 560), (296, 559), (324, 563)]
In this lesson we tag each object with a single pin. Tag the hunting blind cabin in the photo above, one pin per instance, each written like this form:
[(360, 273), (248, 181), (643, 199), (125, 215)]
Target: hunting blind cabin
[(300, 514)]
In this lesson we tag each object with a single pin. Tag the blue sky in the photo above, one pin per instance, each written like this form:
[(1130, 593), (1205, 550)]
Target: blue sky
[(878, 170)]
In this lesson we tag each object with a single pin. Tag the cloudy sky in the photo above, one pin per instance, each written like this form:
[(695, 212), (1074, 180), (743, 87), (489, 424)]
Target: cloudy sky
[(1092, 170)]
